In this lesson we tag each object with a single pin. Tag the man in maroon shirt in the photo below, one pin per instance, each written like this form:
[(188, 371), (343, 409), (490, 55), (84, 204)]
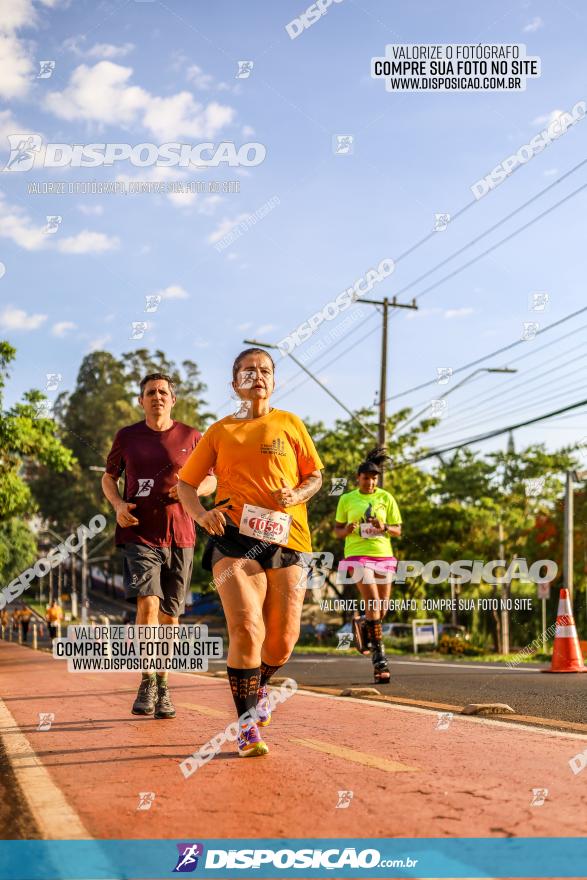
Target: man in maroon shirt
[(155, 533)]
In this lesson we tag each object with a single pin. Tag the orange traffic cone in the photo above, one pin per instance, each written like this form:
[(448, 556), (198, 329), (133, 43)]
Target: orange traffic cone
[(566, 654)]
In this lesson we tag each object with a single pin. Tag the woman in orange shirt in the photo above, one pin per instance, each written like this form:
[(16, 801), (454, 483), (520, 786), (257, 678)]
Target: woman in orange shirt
[(267, 469)]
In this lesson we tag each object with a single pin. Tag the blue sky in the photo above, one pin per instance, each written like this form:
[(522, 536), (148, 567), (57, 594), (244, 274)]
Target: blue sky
[(156, 72)]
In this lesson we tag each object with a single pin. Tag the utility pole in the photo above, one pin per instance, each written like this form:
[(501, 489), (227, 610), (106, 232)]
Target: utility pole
[(568, 550), (505, 594), (85, 582), (73, 575), (394, 304), (568, 535)]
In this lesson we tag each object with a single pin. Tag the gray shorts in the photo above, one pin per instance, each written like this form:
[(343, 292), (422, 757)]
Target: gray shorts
[(164, 572)]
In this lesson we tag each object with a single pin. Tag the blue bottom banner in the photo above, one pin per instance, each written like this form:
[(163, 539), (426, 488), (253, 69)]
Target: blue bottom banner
[(531, 857)]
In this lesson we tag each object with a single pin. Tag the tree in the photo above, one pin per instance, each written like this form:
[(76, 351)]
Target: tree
[(27, 441)]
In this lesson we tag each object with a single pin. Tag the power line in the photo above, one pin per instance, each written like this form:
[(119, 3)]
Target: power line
[(505, 393), (499, 243), (479, 438), (495, 226), (517, 409), (485, 357), (475, 259)]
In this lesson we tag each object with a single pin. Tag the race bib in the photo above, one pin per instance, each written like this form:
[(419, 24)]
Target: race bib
[(264, 524), (367, 530)]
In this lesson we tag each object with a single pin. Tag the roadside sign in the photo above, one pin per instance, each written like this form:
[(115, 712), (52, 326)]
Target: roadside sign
[(543, 590), (424, 632)]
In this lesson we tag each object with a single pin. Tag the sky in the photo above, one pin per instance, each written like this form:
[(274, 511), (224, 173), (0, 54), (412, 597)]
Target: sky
[(311, 219)]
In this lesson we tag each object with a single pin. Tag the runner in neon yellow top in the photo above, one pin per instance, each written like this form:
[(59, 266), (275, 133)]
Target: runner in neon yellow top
[(366, 518)]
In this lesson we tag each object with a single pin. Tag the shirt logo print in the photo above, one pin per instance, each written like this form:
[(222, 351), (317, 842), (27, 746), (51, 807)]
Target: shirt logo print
[(276, 447)]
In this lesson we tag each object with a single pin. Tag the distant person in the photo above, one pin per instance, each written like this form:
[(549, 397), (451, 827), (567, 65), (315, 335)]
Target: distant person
[(155, 534), (24, 619), (53, 617), (365, 518)]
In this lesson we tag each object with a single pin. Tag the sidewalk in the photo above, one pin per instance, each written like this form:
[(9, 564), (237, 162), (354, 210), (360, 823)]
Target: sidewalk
[(408, 779)]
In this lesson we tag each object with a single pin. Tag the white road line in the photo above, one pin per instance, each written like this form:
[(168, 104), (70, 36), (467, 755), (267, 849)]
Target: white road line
[(53, 815)]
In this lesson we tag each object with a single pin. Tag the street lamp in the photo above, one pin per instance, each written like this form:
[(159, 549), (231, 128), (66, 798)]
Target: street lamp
[(459, 385)]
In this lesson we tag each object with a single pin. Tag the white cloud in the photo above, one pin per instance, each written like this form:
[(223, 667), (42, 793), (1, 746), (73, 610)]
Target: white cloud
[(533, 25), (98, 50), (200, 79), (16, 225), (16, 67), (16, 54), (194, 74), (174, 291), (224, 227), (61, 328), (91, 210), (99, 343), (15, 14), (547, 118), (12, 318), (231, 256), (103, 94), (209, 204), (100, 94), (458, 313), (87, 242), (248, 131), (264, 328), (448, 314), (246, 326)]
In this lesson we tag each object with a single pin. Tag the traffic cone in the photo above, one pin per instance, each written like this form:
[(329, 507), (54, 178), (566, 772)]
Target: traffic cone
[(566, 653)]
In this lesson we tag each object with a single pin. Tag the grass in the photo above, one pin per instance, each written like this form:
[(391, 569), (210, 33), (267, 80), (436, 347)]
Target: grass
[(517, 659)]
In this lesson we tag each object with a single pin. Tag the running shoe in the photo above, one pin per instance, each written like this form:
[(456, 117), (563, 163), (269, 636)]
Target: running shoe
[(263, 707), (146, 696), (250, 744), (381, 670), (164, 707), (361, 635)]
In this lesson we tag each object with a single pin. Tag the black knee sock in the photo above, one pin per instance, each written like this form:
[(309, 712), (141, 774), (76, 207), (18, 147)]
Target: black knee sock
[(244, 684), (266, 672), (375, 636)]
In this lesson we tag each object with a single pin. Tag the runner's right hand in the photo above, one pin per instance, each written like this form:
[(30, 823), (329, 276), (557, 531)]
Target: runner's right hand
[(124, 517), (213, 521), (351, 527)]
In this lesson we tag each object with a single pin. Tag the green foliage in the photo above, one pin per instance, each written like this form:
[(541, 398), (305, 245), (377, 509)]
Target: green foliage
[(27, 440), (18, 549)]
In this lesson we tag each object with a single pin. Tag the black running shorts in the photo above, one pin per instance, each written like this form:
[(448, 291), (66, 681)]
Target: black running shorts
[(164, 572), (238, 546)]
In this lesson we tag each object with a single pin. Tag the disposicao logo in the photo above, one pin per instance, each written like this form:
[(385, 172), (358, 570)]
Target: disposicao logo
[(189, 853)]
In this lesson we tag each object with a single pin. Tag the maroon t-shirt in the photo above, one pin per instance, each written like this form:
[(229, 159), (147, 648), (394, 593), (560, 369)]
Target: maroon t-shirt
[(151, 461)]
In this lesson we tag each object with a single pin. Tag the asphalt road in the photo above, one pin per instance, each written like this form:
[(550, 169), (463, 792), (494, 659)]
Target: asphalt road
[(528, 690)]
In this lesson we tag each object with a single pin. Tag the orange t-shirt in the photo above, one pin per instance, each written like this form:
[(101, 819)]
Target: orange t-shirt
[(54, 614), (250, 458)]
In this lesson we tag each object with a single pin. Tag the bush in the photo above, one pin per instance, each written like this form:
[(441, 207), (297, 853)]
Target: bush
[(454, 645)]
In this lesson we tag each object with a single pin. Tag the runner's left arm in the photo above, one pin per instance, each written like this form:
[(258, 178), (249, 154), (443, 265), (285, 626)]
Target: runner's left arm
[(311, 484)]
